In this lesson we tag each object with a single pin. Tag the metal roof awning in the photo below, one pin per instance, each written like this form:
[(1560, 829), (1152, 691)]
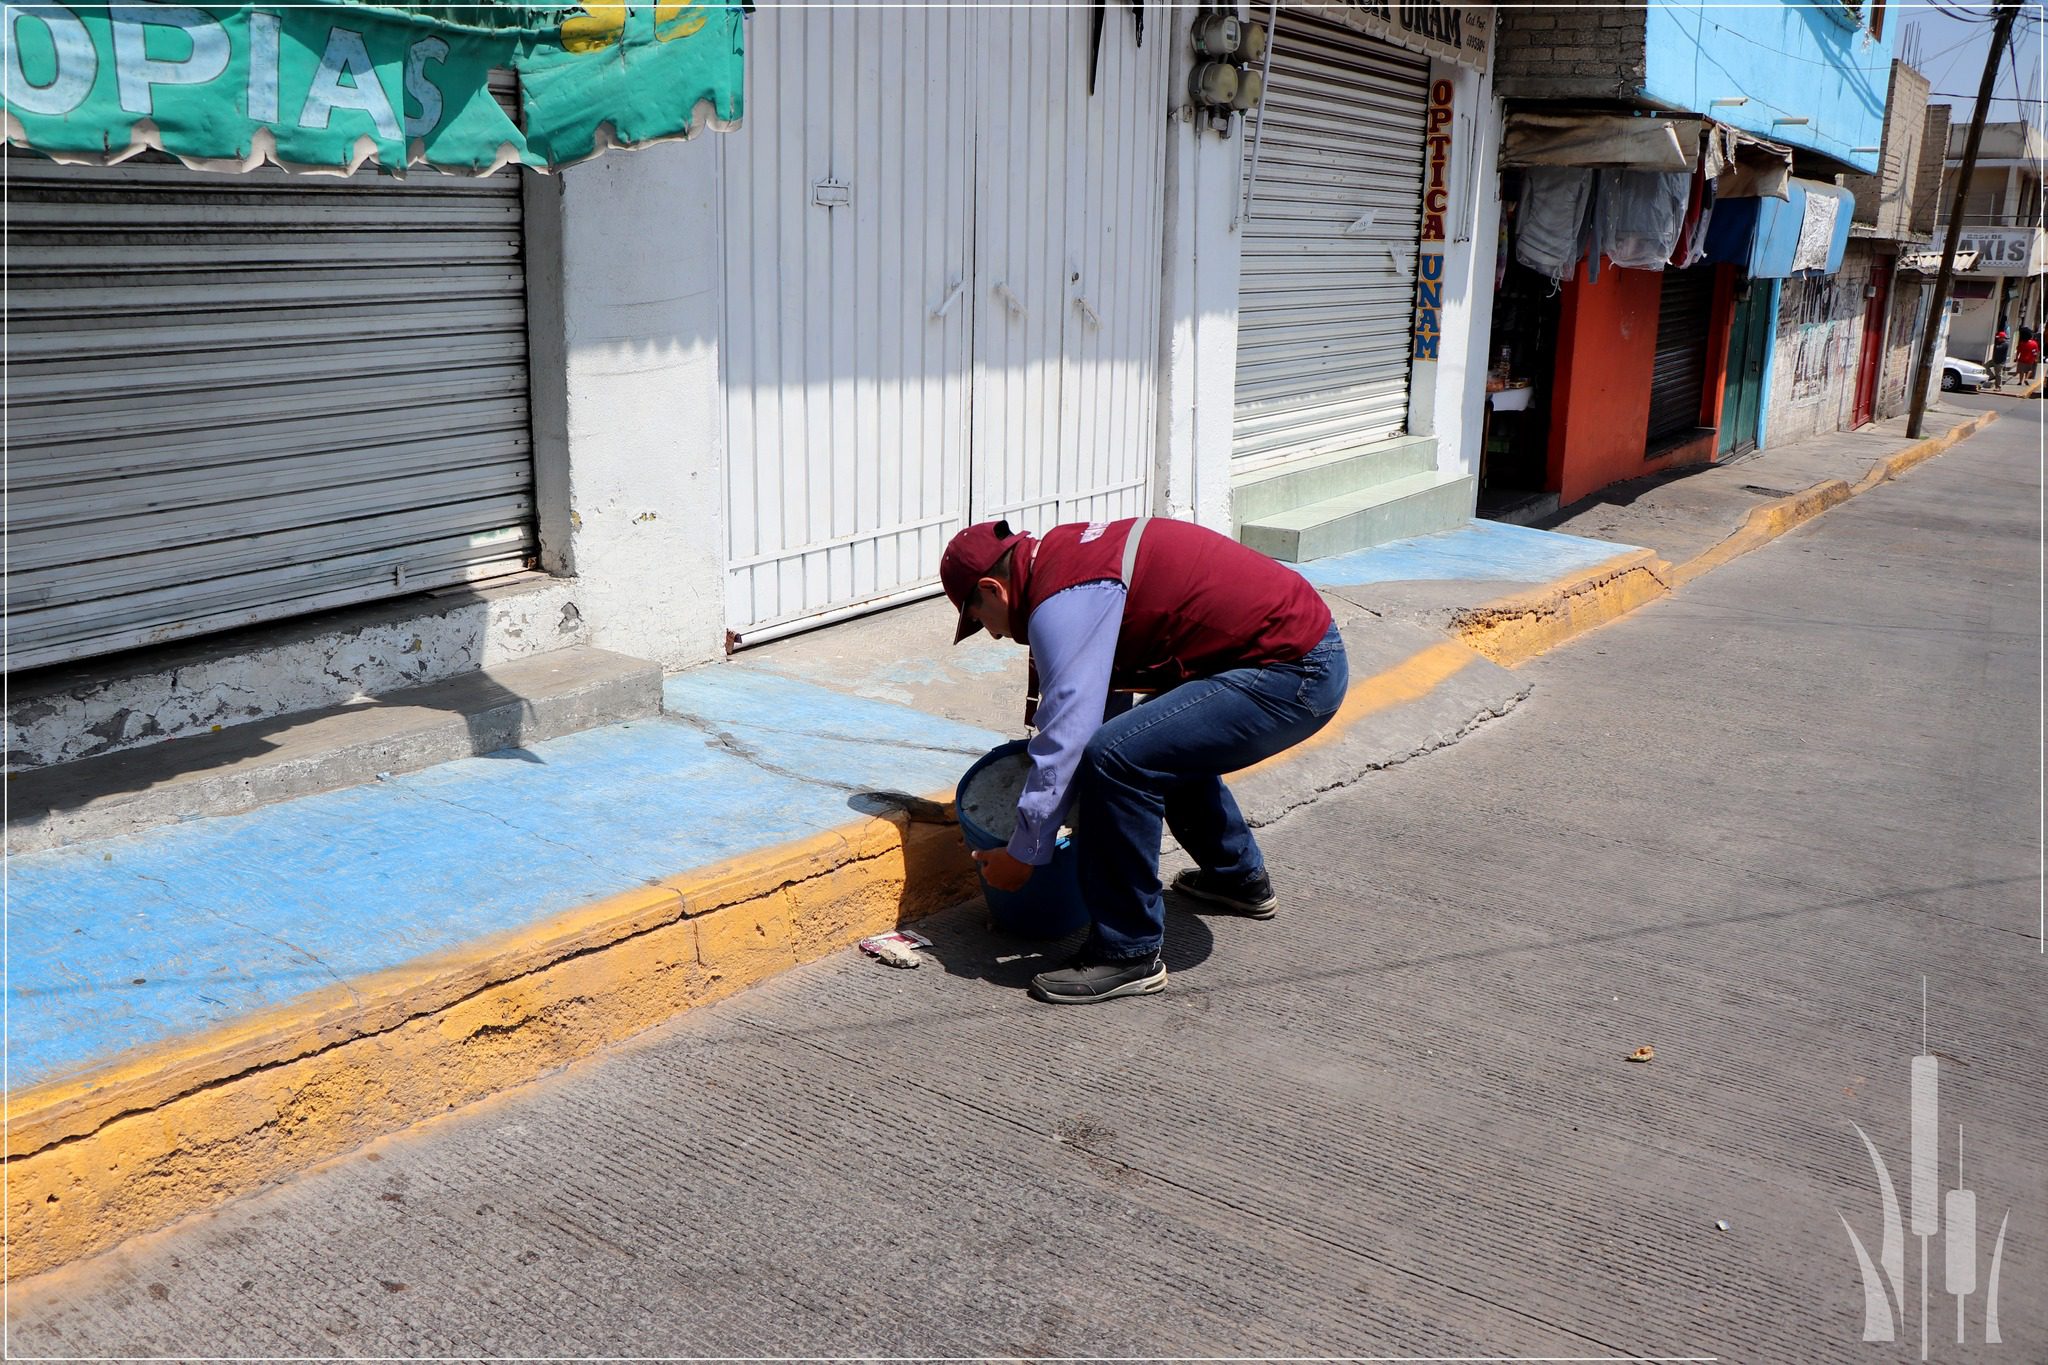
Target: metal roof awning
[(1742, 164), (1929, 262), (1613, 141), (330, 86)]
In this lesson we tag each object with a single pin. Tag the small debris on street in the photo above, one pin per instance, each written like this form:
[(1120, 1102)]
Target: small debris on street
[(897, 948), (1722, 1224), (1643, 1053)]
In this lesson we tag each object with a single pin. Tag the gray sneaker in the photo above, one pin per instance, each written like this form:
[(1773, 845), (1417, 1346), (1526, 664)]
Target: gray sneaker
[(1253, 899), (1087, 980)]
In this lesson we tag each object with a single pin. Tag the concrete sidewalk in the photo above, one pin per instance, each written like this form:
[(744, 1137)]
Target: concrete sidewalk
[(1685, 513), (199, 1009)]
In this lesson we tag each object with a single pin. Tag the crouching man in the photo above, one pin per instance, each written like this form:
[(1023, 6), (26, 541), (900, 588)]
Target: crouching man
[(1241, 659)]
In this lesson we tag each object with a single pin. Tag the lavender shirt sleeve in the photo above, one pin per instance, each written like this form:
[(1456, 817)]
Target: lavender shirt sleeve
[(1073, 641)]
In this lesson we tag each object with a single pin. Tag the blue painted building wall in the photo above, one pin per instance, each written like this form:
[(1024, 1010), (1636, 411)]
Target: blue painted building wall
[(1807, 59)]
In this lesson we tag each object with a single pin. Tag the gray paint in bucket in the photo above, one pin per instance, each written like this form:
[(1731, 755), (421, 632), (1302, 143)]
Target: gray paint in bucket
[(990, 799)]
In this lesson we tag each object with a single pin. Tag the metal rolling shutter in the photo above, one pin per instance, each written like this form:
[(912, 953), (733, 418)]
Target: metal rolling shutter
[(1679, 371), (1326, 302), (240, 398)]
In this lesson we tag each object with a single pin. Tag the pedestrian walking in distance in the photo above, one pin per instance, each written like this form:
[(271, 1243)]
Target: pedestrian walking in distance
[(1999, 349), (2029, 353), (1240, 659)]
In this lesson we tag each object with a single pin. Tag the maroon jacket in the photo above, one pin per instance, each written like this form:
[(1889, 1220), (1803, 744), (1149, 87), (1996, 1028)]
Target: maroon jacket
[(1198, 603)]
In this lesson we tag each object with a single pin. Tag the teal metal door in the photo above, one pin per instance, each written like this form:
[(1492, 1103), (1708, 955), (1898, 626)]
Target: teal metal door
[(1742, 391)]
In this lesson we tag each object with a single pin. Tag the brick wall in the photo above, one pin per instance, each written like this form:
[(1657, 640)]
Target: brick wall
[(1928, 183), (1885, 201), (1577, 52)]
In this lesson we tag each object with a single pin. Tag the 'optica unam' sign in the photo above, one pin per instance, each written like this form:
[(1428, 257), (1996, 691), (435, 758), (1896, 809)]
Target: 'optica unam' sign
[(1436, 204), (330, 86)]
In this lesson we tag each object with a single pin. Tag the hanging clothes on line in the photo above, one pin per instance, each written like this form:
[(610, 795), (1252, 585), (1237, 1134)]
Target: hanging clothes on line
[(1551, 224), (1641, 214), (1699, 209)]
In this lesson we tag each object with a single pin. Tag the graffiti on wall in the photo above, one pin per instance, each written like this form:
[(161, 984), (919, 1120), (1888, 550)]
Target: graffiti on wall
[(1822, 313)]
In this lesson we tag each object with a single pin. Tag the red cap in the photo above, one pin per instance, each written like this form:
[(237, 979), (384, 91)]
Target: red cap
[(968, 558)]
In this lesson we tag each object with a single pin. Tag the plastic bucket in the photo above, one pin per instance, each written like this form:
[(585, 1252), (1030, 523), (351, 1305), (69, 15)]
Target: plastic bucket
[(1050, 904)]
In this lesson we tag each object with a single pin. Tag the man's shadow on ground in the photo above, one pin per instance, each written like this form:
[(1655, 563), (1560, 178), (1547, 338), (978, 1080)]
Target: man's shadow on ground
[(967, 945)]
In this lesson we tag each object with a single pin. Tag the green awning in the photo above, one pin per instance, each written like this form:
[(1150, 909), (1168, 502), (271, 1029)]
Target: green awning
[(329, 86)]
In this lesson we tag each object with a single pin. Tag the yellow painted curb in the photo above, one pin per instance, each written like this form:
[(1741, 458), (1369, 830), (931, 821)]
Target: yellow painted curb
[(1924, 450), (160, 1133), (95, 1159), (1764, 524), (1514, 630)]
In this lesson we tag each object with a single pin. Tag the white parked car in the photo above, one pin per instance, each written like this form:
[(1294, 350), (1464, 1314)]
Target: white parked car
[(1961, 374)]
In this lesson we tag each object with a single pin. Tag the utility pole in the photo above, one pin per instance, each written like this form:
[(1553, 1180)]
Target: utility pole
[(1937, 307)]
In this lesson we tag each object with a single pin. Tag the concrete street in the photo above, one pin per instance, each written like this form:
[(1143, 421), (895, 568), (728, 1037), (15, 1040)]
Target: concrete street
[(1739, 826)]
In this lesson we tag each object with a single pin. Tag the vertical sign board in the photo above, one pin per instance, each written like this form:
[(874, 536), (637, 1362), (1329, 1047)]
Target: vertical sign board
[(1429, 260)]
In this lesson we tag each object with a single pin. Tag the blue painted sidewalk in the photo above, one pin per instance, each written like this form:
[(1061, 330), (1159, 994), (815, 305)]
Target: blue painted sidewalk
[(132, 941), (1478, 551)]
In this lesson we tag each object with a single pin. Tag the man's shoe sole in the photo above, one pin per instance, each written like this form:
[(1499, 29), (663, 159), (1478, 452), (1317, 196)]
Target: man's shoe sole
[(1264, 909), (1145, 985)]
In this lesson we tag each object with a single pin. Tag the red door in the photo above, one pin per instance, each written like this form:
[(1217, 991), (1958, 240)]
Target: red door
[(1872, 355)]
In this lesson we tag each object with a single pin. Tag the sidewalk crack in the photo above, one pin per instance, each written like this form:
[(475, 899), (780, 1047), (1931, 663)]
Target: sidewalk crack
[(748, 753), (225, 918), (909, 744)]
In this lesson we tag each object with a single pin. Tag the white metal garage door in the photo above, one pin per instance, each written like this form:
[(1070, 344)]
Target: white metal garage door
[(848, 240), (941, 306), (239, 398), (1326, 293), (1068, 239)]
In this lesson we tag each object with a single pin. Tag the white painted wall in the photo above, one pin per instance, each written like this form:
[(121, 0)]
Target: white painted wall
[(1459, 403), (1198, 313), (630, 441)]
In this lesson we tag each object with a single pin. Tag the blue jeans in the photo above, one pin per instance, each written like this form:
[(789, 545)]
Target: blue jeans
[(1163, 763)]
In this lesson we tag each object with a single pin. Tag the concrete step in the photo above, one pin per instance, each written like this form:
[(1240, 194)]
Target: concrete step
[(1416, 505), (246, 766), (1331, 474)]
